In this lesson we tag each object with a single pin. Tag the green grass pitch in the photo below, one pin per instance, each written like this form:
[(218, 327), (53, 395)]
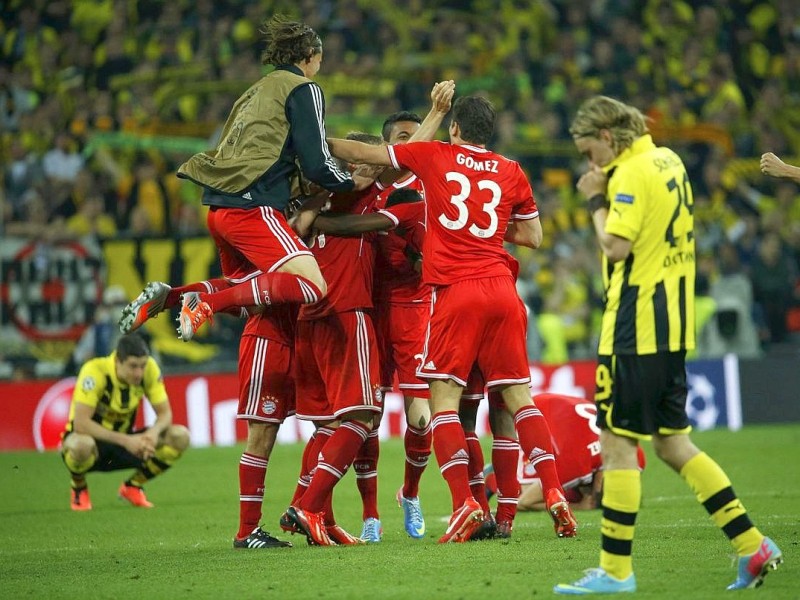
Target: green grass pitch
[(182, 548)]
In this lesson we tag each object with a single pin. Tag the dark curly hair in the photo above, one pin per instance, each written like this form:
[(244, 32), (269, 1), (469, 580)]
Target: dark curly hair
[(288, 42)]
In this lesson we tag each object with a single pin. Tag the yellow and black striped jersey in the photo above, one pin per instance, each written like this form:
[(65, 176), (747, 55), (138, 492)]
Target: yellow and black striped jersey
[(650, 295), (115, 403)]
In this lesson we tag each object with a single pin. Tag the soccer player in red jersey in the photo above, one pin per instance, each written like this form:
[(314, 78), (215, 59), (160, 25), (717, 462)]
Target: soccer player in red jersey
[(402, 309), (576, 439), (475, 200), (337, 368), (402, 333), (400, 126), (337, 365), (266, 398)]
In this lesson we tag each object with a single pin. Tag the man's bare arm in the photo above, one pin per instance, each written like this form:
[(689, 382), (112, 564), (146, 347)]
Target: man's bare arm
[(525, 232), (353, 225), (359, 152)]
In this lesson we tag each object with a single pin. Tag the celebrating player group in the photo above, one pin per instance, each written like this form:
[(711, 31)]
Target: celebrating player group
[(377, 260)]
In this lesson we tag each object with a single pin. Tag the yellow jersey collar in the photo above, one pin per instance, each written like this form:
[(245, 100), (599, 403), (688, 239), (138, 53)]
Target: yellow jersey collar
[(641, 144)]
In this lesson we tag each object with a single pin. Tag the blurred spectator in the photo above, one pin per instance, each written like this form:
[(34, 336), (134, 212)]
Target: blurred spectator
[(731, 328), (100, 338), (773, 285), (563, 322), (15, 99), (22, 173), (90, 219), (62, 163), (147, 191)]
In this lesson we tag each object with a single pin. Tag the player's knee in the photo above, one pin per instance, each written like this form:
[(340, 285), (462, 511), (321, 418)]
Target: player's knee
[(364, 417), (261, 438), (80, 447), (178, 437), (418, 414)]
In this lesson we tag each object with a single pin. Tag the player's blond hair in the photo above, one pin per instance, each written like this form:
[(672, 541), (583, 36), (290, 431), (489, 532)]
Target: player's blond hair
[(624, 122)]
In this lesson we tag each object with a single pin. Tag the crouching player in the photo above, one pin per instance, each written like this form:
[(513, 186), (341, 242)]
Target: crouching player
[(100, 434)]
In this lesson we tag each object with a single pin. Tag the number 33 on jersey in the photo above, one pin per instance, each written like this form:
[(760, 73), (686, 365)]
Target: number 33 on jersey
[(471, 194)]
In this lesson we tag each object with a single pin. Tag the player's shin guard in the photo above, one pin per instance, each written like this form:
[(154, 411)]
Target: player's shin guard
[(477, 485), (450, 447), (417, 443), (622, 495), (366, 468), (252, 474), (536, 443), (164, 458), (505, 456), (713, 490), (265, 290)]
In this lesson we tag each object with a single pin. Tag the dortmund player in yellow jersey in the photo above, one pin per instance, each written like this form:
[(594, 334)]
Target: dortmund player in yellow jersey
[(641, 205), (99, 435)]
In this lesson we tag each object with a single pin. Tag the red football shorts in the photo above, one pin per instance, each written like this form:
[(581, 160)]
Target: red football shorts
[(252, 240), (481, 322), (266, 386), (401, 335), (336, 366)]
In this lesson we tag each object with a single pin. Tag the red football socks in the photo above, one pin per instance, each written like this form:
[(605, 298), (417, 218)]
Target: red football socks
[(536, 443), (252, 473), (264, 290), (450, 447), (505, 458), (418, 450)]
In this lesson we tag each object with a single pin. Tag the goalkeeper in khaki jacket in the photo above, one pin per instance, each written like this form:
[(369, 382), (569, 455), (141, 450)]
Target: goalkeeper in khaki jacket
[(100, 434)]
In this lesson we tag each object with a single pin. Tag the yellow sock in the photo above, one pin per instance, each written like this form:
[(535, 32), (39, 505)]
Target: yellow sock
[(622, 495), (164, 458), (713, 490)]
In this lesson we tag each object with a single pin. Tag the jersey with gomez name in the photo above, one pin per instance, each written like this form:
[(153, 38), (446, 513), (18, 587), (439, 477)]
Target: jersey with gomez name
[(471, 194)]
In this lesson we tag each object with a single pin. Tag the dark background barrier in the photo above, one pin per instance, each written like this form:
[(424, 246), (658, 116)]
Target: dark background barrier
[(770, 389)]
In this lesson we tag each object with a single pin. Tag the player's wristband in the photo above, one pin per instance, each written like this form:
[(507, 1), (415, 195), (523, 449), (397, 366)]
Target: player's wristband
[(597, 202)]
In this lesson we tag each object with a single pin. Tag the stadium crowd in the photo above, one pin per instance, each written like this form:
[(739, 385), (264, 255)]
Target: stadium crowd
[(101, 100)]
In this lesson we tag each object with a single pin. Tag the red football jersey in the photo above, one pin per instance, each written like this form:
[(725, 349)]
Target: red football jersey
[(396, 280), (347, 263), (470, 194), (576, 439)]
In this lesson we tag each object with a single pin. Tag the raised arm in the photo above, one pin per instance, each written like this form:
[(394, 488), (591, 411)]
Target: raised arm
[(441, 98)]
